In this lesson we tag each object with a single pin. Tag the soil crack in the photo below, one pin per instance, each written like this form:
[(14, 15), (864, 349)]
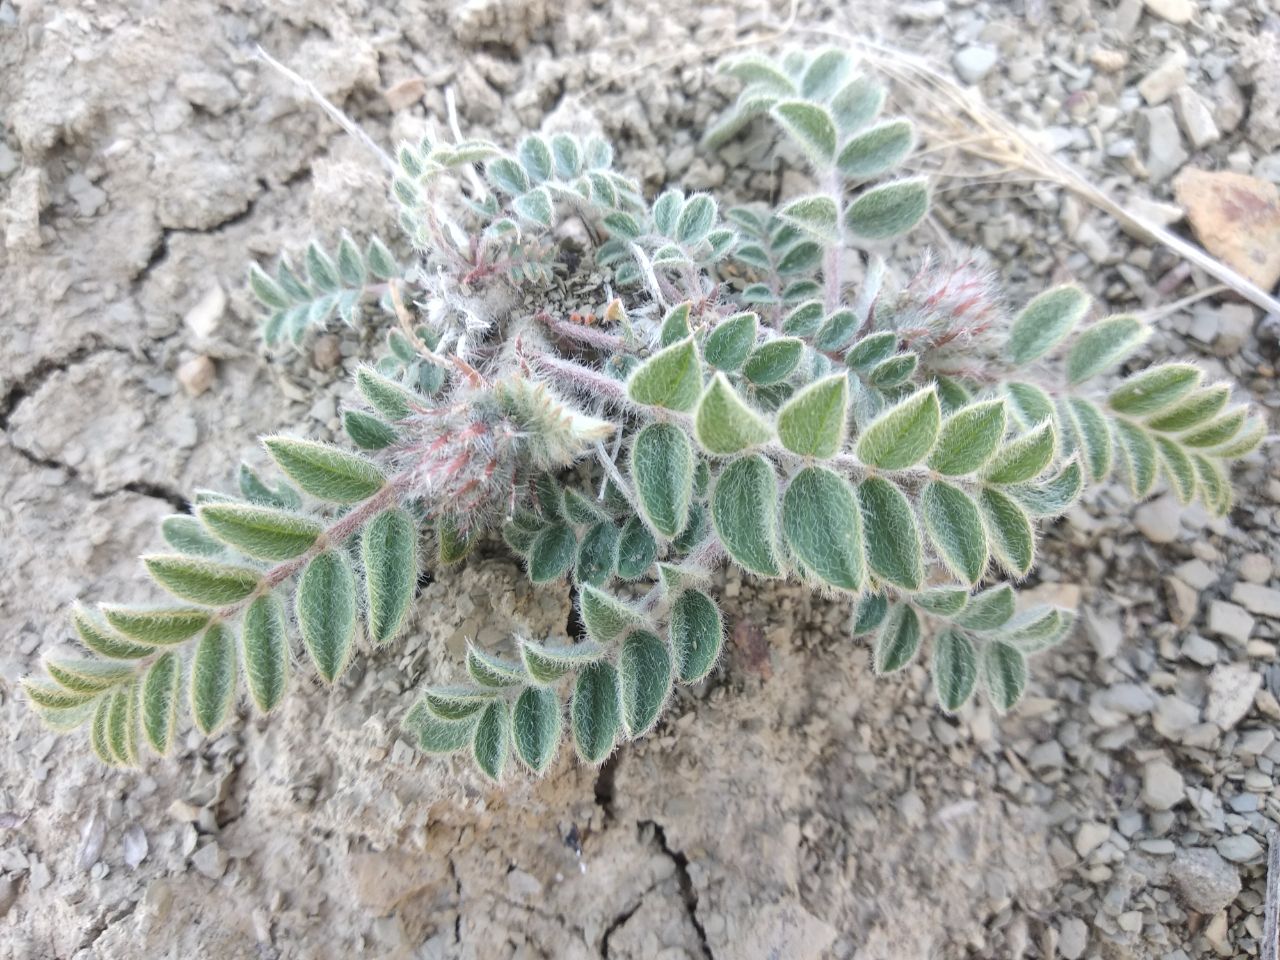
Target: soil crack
[(687, 891), (34, 378)]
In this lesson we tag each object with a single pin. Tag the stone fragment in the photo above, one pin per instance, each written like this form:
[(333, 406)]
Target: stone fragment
[(1237, 218), (196, 375), (1242, 848), (1159, 520), (210, 860), (1180, 600), (1264, 601), (1073, 938), (1175, 11), (406, 93), (1232, 687), (1230, 622), (210, 91), (202, 319), (1158, 85), (327, 352), (1090, 836), (1199, 650), (1159, 132), (1255, 567), (1205, 882), (1229, 104), (975, 62), (1196, 574), (1162, 786), (1104, 632), (1173, 717), (1108, 60), (1195, 117)]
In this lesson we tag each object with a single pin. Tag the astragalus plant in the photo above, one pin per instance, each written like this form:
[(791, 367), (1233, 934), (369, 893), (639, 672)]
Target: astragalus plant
[(753, 389)]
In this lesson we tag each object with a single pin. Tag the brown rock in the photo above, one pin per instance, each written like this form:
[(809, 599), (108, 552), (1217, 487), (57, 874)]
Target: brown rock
[(326, 353), (1237, 218), (405, 93), (196, 375)]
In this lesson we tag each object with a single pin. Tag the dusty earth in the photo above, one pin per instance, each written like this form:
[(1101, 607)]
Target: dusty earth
[(794, 807)]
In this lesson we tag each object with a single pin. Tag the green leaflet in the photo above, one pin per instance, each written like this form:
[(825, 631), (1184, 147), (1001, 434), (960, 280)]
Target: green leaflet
[(1009, 531), (159, 701), (871, 350), (389, 552), (676, 325), (491, 740), (1192, 410), (367, 431), (894, 550), (1138, 453), (596, 712), (581, 509), (102, 640), (955, 528), (857, 104), (888, 210), (773, 361), (158, 627), (870, 613), (387, 397), (644, 680), (535, 206), (1004, 674), (1036, 629), (1212, 484), (490, 671), (185, 534), (816, 215), (1031, 404), (550, 497), (1045, 322), (955, 670), (453, 545), (548, 664), (552, 553), (597, 554), (1102, 346), (811, 126), (670, 378), (942, 601), (898, 640), (893, 372), (1178, 468), (1216, 432), (325, 471), (88, 676), (98, 727), (1245, 442), (1023, 458), (437, 736), (265, 649), (1052, 497), (455, 703), (836, 331), (213, 678), (904, 434), (260, 532), (201, 581), (878, 150), (812, 423), (696, 633), (637, 549), (121, 732), (968, 438), (662, 464), (283, 495), (744, 505), (825, 73), (759, 71), (54, 697), (821, 521), (605, 616), (804, 320), (326, 607), (696, 219), (724, 424), (1094, 435), (1155, 389), (988, 610), (729, 344), (536, 723)]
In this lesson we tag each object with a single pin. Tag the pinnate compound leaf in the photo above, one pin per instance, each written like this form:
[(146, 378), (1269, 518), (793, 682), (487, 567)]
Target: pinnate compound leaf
[(491, 740), (724, 424), (546, 664), (389, 553), (596, 711), (536, 724), (812, 423), (823, 527), (670, 378), (637, 549), (968, 438), (903, 435), (955, 670), (816, 215), (201, 581), (326, 609), (265, 652), (894, 550), (1004, 674), (1009, 531), (159, 626), (888, 210), (1023, 458), (729, 344), (605, 616), (898, 640), (213, 678), (1045, 322), (97, 636), (1102, 346), (552, 553), (744, 507), (644, 680), (955, 528), (161, 686), (260, 532), (811, 126), (1156, 389), (774, 361), (1138, 454), (325, 471), (697, 633), (878, 150), (662, 465)]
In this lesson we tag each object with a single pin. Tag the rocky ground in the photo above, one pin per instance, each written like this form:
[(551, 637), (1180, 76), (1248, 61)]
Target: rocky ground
[(794, 807)]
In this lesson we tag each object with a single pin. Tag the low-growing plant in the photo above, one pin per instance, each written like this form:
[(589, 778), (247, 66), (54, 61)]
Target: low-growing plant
[(753, 389)]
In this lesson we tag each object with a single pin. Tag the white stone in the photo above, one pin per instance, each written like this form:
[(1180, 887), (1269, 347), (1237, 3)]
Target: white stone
[(1174, 716), (1073, 938), (1104, 633), (1196, 118), (1199, 650), (1165, 153), (1159, 520), (1158, 85), (975, 62), (1175, 11), (210, 860), (1241, 848), (1090, 836), (1232, 687), (1229, 621), (1263, 601), (1181, 600), (202, 319), (1196, 573), (1255, 567), (1162, 786), (196, 375)]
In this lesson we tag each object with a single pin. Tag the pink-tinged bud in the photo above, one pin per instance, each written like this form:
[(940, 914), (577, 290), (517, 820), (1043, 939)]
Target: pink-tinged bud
[(950, 312)]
